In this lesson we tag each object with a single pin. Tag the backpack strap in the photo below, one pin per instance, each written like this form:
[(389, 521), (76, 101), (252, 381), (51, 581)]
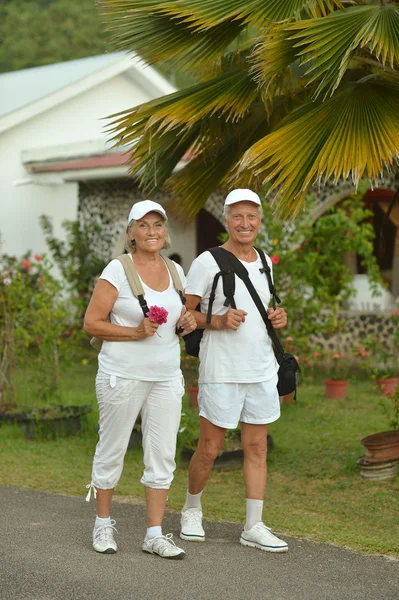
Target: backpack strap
[(134, 281), (174, 273), (267, 271), (228, 278)]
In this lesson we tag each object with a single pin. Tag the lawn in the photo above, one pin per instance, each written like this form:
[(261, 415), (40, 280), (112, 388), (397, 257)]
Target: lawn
[(314, 488)]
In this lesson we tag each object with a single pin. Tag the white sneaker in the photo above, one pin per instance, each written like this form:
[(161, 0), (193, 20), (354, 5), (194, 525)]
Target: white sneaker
[(103, 539), (164, 546), (260, 536), (191, 525)]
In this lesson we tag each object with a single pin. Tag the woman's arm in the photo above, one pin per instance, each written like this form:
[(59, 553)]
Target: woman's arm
[(96, 323)]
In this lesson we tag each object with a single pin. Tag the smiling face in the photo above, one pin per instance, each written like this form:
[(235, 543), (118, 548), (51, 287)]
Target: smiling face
[(243, 222), (149, 233)]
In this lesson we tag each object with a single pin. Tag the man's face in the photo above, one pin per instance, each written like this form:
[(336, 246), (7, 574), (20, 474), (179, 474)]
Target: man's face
[(243, 222)]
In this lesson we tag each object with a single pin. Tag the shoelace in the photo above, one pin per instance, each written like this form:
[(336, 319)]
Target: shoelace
[(105, 533), (164, 541), (194, 518)]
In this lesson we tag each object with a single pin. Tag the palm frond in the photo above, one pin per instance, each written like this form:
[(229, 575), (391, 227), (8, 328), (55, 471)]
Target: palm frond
[(206, 14), (328, 44), (355, 132)]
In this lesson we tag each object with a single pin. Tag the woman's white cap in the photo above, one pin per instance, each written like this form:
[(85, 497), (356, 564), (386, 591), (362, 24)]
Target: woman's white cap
[(140, 209), (242, 196)]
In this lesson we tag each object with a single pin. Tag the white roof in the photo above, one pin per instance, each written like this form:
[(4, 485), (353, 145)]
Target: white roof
[(31, 91)]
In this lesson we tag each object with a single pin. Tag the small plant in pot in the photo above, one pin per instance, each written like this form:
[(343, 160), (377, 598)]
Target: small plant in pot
[(336, 381), (380, 358)]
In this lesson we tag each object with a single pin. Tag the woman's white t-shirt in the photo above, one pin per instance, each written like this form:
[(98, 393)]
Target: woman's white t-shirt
[(155, 358), (227, 356)]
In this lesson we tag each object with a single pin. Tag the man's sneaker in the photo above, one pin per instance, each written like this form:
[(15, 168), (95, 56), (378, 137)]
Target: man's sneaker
[(191, 525), (103, 539), (260, 536), (164, 546)]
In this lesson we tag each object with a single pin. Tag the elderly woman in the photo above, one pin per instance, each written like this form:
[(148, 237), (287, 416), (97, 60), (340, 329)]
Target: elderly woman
[(139, 371)]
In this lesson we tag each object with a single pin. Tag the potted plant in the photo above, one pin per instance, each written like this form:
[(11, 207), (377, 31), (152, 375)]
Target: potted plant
[(381, 459), (337, 375), (380, 358)]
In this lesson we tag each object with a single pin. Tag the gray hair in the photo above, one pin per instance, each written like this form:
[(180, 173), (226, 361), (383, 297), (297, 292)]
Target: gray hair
[(130, 245), (226, 210)]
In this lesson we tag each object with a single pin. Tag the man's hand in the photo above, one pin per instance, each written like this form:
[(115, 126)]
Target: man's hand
[(232, 319), (146, 329), (187, 323), (277, 317)]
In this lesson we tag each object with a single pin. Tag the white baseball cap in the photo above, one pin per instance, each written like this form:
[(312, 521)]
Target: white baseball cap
[(242, 196), (142, 208)]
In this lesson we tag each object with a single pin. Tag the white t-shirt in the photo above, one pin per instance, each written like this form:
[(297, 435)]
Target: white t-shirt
[(155, 358), (242, 356)]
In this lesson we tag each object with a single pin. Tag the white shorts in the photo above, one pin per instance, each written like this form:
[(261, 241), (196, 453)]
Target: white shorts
[(227, 404), (119, 402)]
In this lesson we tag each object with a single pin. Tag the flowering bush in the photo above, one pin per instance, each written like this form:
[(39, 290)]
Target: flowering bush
[(189, 367), (35, 324), (390, 408), (380, 357), (338, 365)]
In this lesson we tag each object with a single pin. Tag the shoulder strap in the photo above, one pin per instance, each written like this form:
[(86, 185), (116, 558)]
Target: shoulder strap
[(228, 278), (174, 273), (266, 270), (134, 281), (242, 273)]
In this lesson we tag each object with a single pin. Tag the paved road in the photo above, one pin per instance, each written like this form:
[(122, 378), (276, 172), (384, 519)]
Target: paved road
[(45, 554)]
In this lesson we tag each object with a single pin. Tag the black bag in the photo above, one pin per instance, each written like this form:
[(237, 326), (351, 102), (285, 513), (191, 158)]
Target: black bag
[(192, 340)]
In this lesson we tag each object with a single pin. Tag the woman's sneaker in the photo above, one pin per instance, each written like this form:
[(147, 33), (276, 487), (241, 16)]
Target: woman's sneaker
[(260, 536), (191, 525), (164, 546), (103, 539)]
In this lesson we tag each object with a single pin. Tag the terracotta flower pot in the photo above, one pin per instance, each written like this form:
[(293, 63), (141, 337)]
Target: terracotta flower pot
[(193, 395), (376, 471), (335, 388), (381, 447), (388, 386)]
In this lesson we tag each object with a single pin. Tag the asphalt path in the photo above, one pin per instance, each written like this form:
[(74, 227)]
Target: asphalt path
[(46, 554)]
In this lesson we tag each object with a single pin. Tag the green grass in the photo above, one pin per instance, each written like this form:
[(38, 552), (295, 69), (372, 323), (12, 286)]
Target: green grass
[(314, 488)]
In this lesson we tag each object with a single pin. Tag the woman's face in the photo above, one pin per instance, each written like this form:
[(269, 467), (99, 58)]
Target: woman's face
[(149, 232)]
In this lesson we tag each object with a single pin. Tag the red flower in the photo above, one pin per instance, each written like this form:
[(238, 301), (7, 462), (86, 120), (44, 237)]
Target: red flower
[(37, 257), (26, 264), (336, 356), (363, 352), (157, 314), (275, 259), (67, 333), (316, 354)]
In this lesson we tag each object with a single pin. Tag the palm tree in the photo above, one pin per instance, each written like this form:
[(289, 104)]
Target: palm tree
[(288, 93)]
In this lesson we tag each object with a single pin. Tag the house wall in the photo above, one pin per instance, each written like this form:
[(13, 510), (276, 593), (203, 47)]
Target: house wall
[(78, 119)]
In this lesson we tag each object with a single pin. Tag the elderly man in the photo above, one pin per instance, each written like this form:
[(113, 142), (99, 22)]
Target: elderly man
[(238, 373)]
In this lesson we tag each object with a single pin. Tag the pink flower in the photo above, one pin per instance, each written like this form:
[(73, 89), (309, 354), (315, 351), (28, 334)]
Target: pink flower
[(363, 352), (37, 257), (157, 314), (316, 354), (7, 281), (26, 264), (336, 356), (289, 339), (275, 259)]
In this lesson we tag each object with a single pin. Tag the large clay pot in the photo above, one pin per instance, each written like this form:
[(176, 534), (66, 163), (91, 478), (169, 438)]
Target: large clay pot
[(388, 386), (381, 447), (193, 396), (335, 388)]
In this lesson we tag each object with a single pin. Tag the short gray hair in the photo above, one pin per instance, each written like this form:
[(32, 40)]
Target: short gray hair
[(130, 245), (226, 210)]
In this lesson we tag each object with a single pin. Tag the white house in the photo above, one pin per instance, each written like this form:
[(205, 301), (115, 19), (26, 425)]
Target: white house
[(54, 154)]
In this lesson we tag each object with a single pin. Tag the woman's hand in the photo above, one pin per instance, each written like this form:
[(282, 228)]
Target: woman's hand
[(277, 317), (146, 329), (187, 323)]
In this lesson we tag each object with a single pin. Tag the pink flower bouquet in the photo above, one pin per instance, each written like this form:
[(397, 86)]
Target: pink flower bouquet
[(157, 314)]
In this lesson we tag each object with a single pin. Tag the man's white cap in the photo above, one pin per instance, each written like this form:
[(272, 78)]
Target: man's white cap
[(242, 196), (140, 209)]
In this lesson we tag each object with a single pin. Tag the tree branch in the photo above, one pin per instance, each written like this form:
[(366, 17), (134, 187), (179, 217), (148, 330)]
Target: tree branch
[(377, 65)]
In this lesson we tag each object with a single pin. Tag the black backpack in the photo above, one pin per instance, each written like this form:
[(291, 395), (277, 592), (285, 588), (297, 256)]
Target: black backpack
[(230, 266)]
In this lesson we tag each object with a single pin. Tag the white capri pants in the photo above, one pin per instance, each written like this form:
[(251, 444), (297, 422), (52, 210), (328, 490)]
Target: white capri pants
[(119, 401)]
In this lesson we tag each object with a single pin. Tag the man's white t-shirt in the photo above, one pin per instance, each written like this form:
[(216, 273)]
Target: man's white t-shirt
[(227, 356), (155, 358)]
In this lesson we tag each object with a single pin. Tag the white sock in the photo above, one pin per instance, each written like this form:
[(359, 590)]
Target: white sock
[(192, 501), (254, 513), (153, 532), (101, 522)]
